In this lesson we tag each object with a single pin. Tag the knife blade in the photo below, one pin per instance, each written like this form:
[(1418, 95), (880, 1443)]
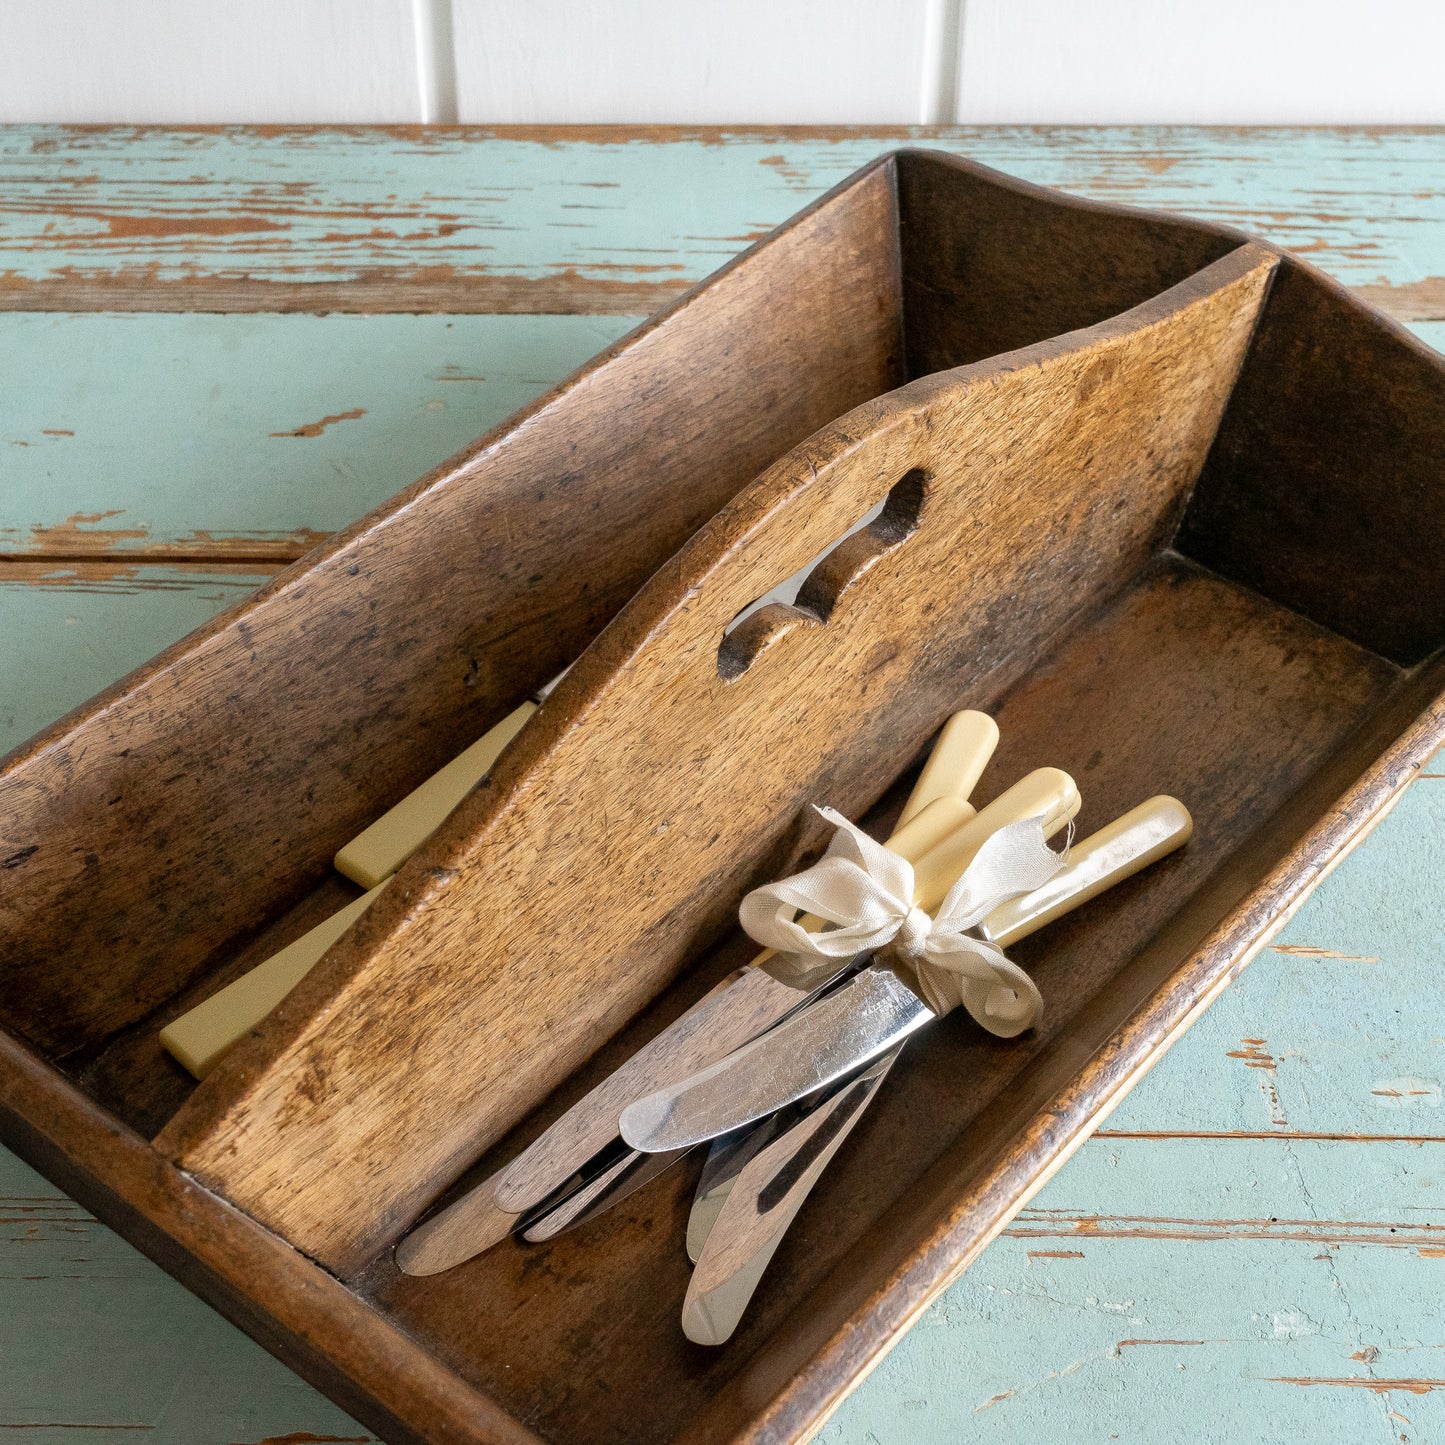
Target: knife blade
[(765, 1196), (834, 1035), (741, 1006), (627, 1175), (734, 1246), (726, 1159)]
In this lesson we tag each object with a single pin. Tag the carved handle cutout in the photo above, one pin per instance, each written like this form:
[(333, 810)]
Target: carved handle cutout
[(808, 597)]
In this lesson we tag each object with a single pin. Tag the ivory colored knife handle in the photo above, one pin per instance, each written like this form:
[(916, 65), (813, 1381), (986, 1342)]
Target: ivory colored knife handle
[(952, 771), (748, 1001), (913, 840), (379, 850), (1116, 852), (956, 763), (1047, 793), (198, 1038)]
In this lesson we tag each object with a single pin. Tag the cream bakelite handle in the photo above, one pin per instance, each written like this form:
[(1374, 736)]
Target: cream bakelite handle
[(938, 804), (956, 763), (1047, 794), (379, 850), (1142, 836), (197, 1039)]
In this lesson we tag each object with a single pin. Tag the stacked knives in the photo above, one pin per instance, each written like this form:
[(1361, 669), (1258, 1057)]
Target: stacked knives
[(773, 1069)]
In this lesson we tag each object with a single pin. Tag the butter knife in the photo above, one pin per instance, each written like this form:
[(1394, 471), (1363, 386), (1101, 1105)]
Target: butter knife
[(770, 1170), (842, 1031), (743, 1005)]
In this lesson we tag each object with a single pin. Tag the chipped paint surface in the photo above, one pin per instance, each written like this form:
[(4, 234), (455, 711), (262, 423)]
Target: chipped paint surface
[(67, 630), (247, 438), (95, 1339), (1251, 1250), (537, 219)]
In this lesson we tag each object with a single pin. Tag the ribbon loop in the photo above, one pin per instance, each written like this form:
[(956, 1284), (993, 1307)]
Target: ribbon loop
[(865, 891)]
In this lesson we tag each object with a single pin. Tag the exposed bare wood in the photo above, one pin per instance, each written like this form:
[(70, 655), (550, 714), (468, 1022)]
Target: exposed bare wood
[(1046, 385)]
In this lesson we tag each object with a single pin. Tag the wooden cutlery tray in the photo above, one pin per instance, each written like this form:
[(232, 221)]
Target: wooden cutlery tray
[(1164, 500)]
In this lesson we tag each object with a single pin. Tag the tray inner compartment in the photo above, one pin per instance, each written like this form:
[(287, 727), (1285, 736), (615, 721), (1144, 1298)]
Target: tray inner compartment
[(1185, 683), (923, 267)]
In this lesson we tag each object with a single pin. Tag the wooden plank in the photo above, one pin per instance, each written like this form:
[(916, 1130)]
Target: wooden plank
[(619, 219), (1252, 1283), (200, 438), (1342, 1032), (67, 630), (99, 1343), (1275, 1291)]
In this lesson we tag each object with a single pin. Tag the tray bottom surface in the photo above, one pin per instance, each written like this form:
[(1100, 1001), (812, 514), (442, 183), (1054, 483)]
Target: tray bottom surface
[(1186, 684)]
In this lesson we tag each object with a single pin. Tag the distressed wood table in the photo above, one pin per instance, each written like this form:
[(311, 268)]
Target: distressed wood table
[(219, 345)]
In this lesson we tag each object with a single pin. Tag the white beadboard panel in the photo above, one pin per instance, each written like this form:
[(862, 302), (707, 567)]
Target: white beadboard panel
[(208, 61), (694, 61), (1207, 62)]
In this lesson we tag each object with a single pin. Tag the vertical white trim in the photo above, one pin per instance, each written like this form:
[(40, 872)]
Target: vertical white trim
[(436, 64), (942, 39)]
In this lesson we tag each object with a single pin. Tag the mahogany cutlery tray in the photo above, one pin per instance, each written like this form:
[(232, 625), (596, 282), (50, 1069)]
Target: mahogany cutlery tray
[(1163, 499)]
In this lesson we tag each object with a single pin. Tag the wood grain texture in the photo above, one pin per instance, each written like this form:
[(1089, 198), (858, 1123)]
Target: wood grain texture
[(180, 439), (622, 219), (1278, 511), (1077, 430), (519, 574), (1309, 796)]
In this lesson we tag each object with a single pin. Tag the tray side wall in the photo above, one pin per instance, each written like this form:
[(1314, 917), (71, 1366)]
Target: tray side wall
[(991, 264), (207, 791), (1325, 489)]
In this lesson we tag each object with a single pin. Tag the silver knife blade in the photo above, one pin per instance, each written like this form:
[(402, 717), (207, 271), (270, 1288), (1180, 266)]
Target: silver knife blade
[(730, 1154), (745, 1003), (598, 1195), (739, 1008), (762, 1201), (822, 1043), (614, 1174), (726, 1159)]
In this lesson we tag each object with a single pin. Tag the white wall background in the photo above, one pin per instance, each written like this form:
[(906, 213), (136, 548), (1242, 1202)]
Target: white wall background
[(699, 61)]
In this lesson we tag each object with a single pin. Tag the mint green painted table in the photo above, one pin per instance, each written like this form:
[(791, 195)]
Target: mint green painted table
[(1252, 1250)]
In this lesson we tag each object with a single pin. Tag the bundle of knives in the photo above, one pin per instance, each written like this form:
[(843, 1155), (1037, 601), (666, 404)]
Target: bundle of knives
[(774, 1074)]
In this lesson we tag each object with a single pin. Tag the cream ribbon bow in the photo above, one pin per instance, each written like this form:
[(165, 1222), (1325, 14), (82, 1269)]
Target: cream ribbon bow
[(866, 890)]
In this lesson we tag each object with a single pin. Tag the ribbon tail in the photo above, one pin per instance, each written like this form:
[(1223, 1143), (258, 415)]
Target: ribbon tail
[(1007, 1005)]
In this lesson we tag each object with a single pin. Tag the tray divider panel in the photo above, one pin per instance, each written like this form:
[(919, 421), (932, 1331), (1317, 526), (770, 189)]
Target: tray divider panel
[(556, 903)]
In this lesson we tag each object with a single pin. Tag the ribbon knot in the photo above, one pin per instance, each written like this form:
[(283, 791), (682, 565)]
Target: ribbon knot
[(912, 936), (865, 891)]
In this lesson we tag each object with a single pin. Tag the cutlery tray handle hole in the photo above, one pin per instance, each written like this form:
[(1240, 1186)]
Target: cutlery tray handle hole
[(808, 597)]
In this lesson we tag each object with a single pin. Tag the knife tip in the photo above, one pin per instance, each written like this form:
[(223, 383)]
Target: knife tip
[(642, 1121), (459, 1233)]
